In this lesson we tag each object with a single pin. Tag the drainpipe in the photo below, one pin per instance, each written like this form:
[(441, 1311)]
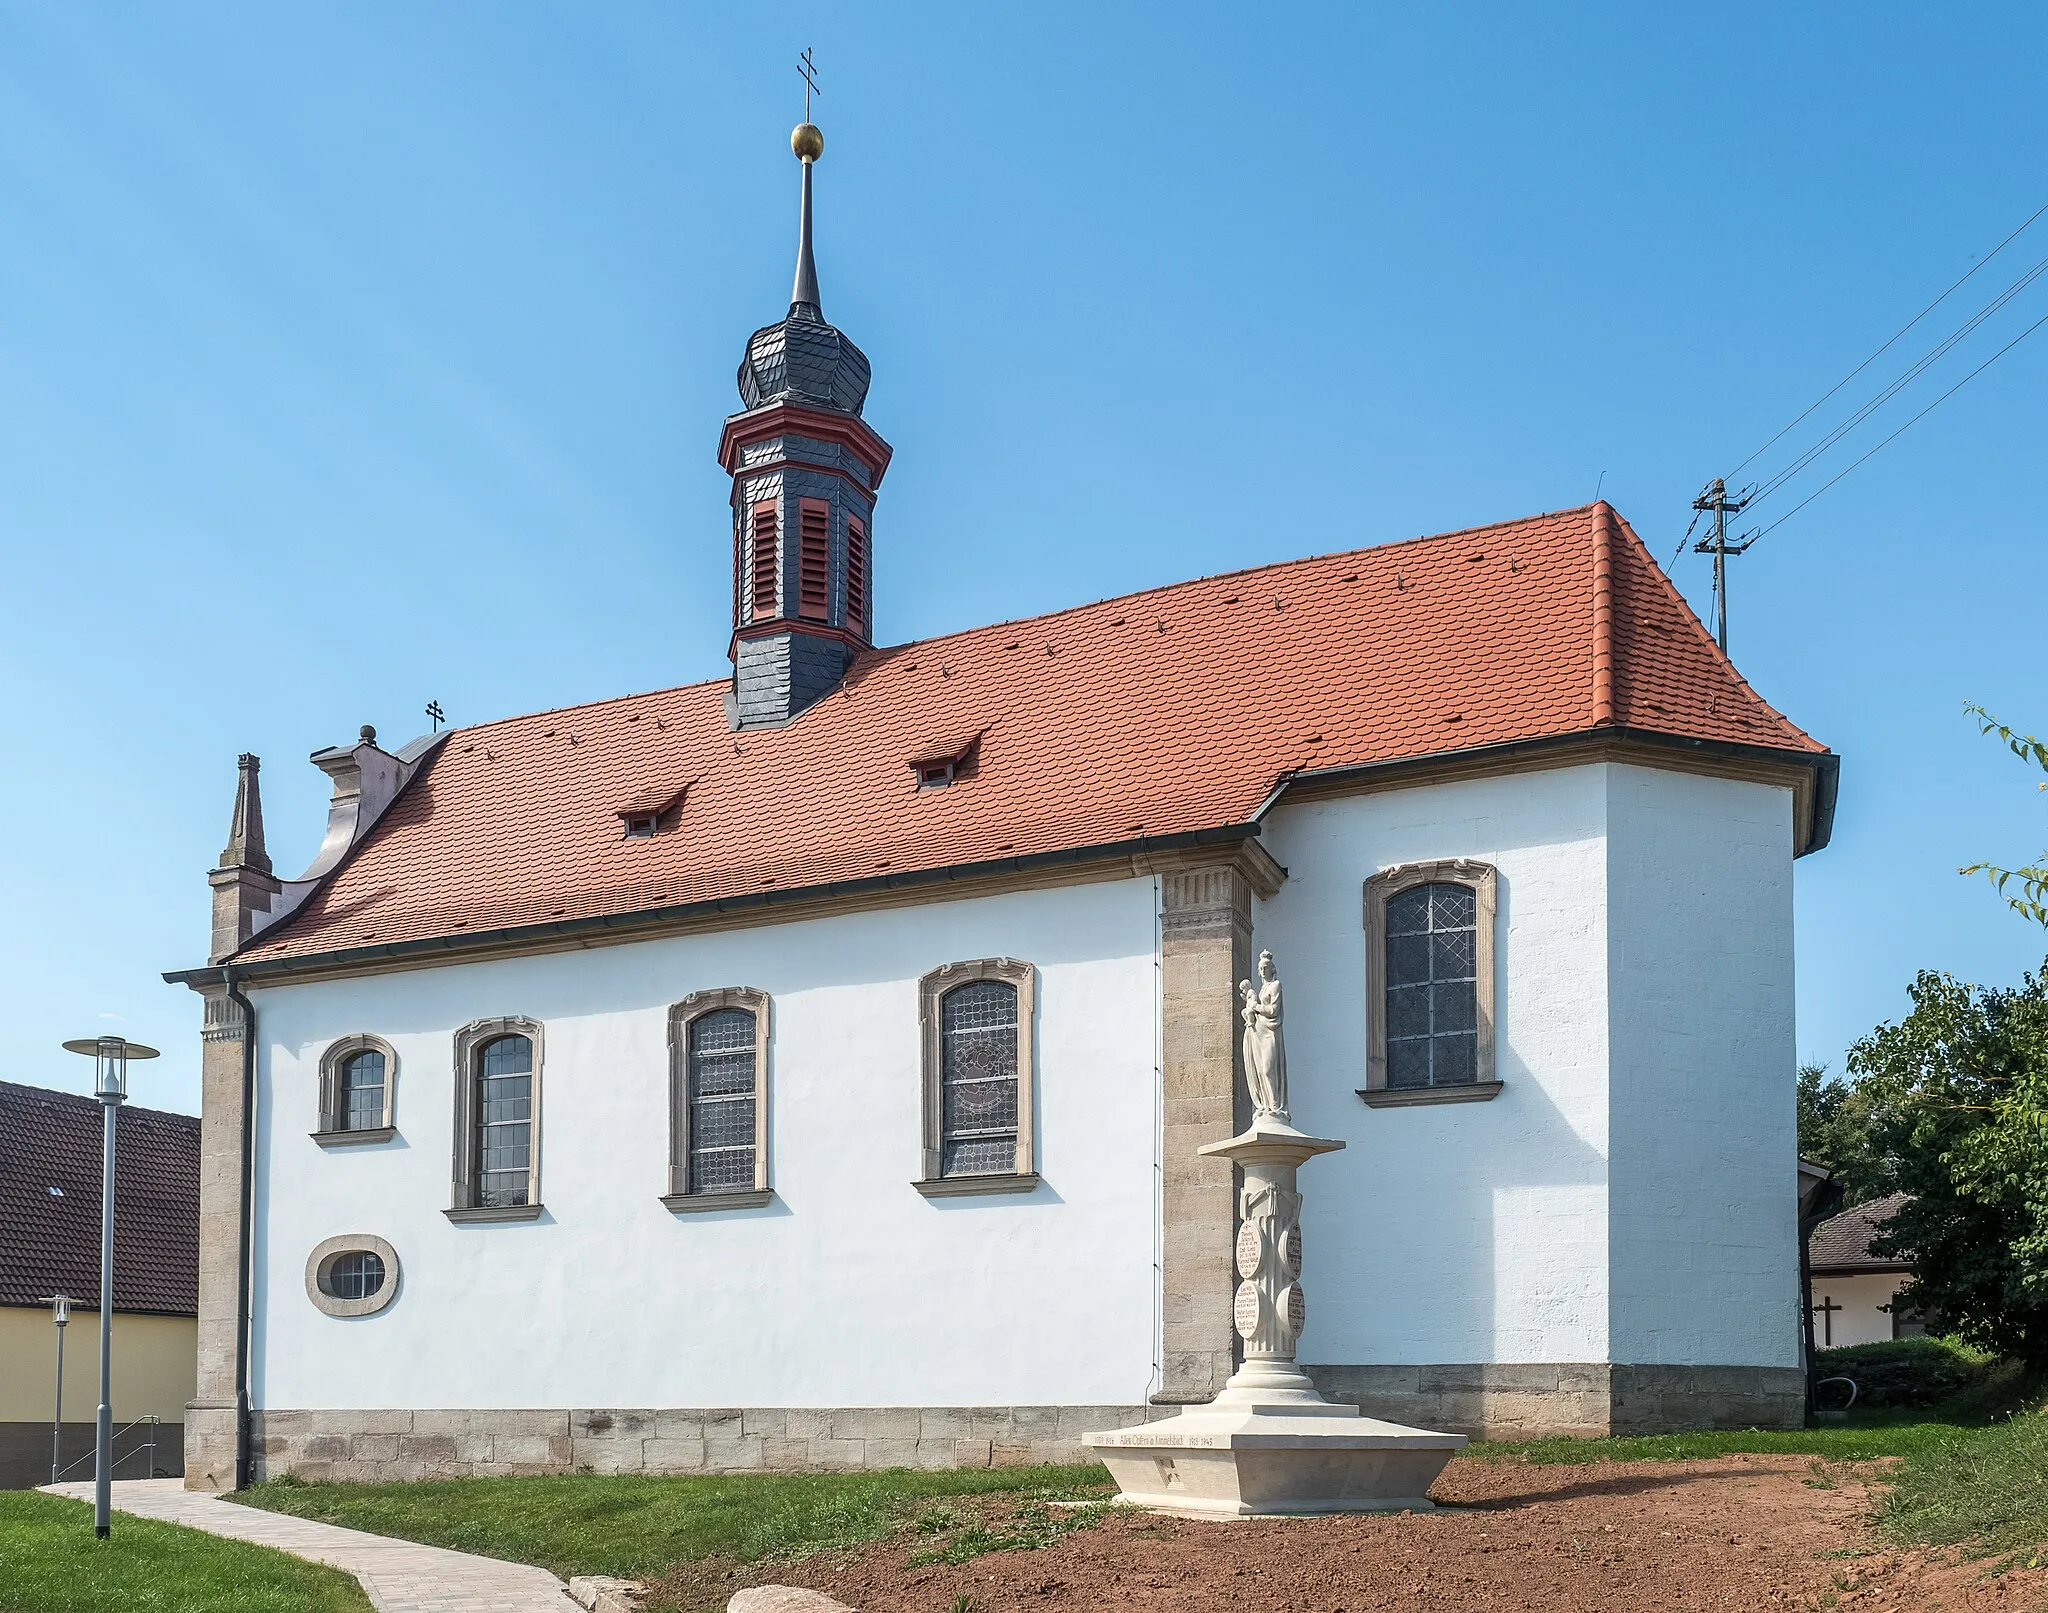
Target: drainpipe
[(244, 1456)]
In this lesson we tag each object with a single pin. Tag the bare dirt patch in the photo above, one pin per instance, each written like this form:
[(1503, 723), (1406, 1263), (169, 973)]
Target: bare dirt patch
[(1738, 1534)]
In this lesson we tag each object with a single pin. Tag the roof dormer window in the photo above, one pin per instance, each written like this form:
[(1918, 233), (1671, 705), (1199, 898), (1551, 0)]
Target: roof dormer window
[(643, 811), (940, 764)]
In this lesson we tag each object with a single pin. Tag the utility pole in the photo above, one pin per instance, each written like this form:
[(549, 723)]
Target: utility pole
[(1716, 498)]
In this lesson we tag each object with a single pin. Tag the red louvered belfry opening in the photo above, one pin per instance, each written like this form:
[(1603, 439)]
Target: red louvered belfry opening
[(814, 560), (764, 561), (856, 574)]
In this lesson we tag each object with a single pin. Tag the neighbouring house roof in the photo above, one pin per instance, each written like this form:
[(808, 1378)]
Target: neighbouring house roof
[(50, 1241), (1148, 719), (1841, 1244)]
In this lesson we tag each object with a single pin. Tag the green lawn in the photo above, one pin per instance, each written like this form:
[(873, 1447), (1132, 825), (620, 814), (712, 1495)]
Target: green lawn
[(634, 1526), (1972, 1469), (50, 1563)]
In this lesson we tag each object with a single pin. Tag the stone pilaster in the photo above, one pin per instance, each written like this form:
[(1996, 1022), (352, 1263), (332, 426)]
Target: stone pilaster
[(210, 1416), (1206, 948), (244, 887)]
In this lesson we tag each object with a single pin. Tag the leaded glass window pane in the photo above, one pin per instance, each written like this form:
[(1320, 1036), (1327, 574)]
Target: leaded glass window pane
[(504, 1110), (722, 1099), (1432, 1000), (978, 1091), (361, 1106), (359, 1274)]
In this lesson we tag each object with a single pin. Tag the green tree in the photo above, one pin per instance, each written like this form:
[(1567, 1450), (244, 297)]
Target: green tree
[(2032, 900), (1957, 1103), (1834, 1132)]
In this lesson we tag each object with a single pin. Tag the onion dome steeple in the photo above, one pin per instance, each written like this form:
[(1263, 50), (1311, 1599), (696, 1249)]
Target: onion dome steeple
[(805, 468), (800, 358)]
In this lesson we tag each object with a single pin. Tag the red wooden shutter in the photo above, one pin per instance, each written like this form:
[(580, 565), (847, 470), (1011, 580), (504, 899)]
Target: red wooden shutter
[(764, 561), (856, 574), (814, 560)]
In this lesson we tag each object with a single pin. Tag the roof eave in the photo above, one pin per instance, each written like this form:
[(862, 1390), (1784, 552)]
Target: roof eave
[(254, 970), (1810, 834)]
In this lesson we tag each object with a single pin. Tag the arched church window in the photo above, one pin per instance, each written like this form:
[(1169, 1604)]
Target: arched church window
[(978, 1078), (497, 1120), (362, 1091), (504, 1121), (977, 1020), (1430, 983), (718, 1100), (357, 1076)]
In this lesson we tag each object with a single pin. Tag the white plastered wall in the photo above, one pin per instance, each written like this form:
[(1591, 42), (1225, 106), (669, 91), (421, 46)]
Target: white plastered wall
[(1644, 926), (1702, 1133), (851, 1289), (1862, 1313), (1468, 1232)]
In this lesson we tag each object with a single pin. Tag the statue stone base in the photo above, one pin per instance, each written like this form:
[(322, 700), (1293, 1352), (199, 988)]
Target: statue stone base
[(1269, 1444)]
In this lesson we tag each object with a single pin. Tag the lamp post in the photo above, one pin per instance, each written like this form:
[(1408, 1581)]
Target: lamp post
[(110, 1056), (60, 1313)]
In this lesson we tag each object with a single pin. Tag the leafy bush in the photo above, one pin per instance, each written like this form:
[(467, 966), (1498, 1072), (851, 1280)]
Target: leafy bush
[(1906, 1372)]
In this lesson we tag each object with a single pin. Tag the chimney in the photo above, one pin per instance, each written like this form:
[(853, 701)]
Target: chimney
[(243, 885)]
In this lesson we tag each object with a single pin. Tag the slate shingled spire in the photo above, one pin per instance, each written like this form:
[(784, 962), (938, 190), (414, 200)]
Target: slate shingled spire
[(805, 468)]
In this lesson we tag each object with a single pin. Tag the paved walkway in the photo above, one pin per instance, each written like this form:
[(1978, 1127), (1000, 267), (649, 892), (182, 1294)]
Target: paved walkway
[(399, 1576)]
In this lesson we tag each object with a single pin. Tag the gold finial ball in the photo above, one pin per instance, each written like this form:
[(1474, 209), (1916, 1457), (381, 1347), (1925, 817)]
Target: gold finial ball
[(806, 141)]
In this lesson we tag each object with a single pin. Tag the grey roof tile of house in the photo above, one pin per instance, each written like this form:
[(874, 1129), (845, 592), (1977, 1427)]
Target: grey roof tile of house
[(50, 1240), (1841, 1243)]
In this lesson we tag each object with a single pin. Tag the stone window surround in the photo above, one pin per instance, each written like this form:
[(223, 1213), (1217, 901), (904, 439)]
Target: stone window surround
[(930, 989), (680, 1017), (1484, 880), (332, 1134), (469, 1041), (329, 1250)]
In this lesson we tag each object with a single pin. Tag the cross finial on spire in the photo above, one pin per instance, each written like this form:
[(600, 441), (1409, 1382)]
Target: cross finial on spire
[(808, 144), (807, 70)]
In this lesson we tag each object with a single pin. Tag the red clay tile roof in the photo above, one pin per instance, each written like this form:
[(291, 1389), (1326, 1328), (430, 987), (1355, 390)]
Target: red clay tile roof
[(50, 1242), (1155, 714), (1842, 1242)]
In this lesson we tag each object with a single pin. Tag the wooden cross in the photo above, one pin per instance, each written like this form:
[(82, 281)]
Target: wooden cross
[(1828, 1309), (807, 70)]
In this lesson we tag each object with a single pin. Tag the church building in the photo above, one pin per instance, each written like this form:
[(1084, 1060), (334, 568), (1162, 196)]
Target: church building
[(805, 1069)]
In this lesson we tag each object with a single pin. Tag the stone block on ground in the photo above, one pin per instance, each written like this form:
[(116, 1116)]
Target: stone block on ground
[(603, 1594), (784, 1599)]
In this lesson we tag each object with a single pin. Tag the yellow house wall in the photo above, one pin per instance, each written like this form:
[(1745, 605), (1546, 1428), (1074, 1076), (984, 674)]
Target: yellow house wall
[(155, 1366)]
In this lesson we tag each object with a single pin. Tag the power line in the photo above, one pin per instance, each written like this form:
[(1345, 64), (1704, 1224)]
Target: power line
[(1909, 324), (1885, 395), (1937, 403)]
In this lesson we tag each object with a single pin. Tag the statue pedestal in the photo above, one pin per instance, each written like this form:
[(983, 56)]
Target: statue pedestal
[(1269, 1444)]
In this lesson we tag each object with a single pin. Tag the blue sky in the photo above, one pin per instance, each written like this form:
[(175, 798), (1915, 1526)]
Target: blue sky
[(352, 357)]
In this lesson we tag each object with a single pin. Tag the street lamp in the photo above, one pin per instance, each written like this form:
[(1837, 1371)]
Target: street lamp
[(60, 1313), (110, 1056)]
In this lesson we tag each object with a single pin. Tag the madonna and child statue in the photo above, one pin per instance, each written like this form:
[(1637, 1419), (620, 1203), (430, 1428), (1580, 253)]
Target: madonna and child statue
[(1265, 1050), (1269, 1444)]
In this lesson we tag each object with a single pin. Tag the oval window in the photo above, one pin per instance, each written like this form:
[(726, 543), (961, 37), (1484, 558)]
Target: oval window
[(353, 1275)]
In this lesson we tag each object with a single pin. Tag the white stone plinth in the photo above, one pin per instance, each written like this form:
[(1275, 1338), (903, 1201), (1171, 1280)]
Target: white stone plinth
[(1232, 1463), (1269, 1445)]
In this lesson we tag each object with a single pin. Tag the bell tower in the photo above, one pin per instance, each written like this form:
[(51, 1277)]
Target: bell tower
[(805, 469)]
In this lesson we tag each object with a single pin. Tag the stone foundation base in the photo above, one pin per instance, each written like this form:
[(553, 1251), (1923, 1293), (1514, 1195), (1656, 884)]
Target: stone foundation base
[(1587, 1400), (1484, 1400), (209, 1446), (371, 1446)]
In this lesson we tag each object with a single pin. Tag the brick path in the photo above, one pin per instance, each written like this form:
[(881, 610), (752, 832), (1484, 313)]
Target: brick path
[(399, 1576)]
